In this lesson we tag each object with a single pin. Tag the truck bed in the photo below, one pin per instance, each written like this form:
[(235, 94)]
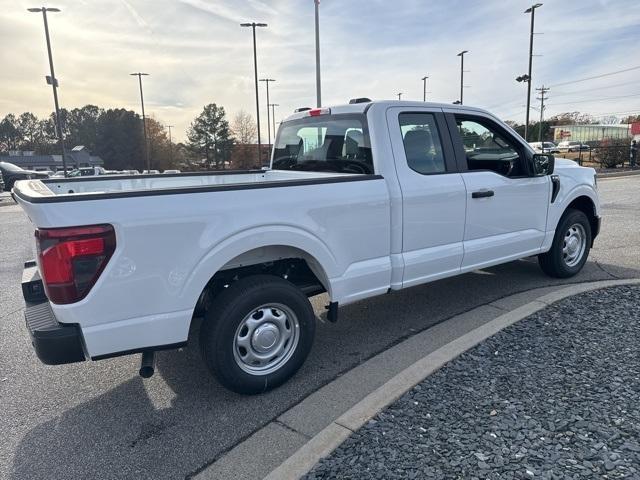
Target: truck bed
[(117, 186), (173, 232)]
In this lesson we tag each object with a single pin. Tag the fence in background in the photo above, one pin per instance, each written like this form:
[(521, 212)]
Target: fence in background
[(606, 156)]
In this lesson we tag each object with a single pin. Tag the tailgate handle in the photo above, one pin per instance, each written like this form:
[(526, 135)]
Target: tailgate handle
[(482, 194)]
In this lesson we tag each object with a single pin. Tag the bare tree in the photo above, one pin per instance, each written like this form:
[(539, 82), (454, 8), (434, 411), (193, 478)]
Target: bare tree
[(245, 132), (243, 128)]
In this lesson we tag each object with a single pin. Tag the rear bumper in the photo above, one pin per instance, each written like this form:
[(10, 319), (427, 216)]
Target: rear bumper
[(55, 343)]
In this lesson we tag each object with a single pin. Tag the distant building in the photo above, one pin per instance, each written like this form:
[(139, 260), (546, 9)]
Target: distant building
[(590, 133), (243, 157), (77, 157)]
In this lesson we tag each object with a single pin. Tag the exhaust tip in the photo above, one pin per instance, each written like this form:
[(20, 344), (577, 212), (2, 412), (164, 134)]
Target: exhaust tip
[(147, 364)]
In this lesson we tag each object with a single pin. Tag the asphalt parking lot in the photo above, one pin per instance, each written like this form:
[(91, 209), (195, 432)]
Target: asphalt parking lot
[(100, 419)]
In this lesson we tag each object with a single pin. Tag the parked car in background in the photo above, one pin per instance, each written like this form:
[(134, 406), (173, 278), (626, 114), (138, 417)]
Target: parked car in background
[(11, 173), (150, 172), (171, 171), (568, 146), (91, 171), (43, 170), (86, 172), (544, 147)]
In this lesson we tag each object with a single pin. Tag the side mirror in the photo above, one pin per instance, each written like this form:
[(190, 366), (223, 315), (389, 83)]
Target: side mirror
[(542, 164)]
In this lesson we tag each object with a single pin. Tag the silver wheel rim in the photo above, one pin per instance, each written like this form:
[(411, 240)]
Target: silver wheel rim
[(574, 245), (266, 339)]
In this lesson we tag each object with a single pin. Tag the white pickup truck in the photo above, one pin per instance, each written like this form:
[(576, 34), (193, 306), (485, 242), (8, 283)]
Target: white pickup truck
[(360, 199)]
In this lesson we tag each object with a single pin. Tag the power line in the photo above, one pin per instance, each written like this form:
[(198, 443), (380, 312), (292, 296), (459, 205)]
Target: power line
[(628, 112), (595, 115), (502, 104), (598, 99), (596, 76), (510, 102), (513, 115), (596, 88)]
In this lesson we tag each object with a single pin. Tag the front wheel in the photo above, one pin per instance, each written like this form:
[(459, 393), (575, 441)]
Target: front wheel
[(257, 333), (570, 248)]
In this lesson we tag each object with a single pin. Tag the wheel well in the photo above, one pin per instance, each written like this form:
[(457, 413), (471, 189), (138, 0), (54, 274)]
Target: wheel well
[(289, 263), (586, 206)]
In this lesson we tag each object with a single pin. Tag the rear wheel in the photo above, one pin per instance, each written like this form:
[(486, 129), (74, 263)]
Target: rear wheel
[(257, 333), (570, 248)]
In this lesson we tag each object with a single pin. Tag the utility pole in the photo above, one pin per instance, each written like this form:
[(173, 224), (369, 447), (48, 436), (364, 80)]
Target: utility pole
[(399, 95), (318, 87), (267, 80), (53, 81), (273, 118), (542, 98), (461, 55), (424, 88), (532, 11), (253, 25), (144, 120), (169, 127)]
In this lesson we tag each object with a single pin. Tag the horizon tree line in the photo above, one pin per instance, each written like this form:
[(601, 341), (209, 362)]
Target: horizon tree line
[(116, 136)]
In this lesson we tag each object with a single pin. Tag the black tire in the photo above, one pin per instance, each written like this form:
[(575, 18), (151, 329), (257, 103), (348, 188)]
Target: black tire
[(553, 262), (229, 310)]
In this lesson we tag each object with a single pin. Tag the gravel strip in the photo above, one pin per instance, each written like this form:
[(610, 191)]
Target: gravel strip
[(554, 396)]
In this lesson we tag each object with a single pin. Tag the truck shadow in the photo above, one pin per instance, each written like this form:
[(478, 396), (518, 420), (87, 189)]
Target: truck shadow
[(181, 419)]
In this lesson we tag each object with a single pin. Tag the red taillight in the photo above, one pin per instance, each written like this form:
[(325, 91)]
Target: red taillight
[(319, 111), (72, 259)]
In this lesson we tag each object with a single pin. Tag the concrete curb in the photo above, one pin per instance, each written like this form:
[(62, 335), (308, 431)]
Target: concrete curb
[(327, 440), (617, 174)]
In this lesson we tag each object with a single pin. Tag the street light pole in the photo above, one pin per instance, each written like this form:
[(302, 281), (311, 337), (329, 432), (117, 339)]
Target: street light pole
[(318, 87), (144, 120), (169, 127), (461, 55), (532, 11), (399, 95), (267, 80), (53, 81), (424, 93), (273, 118), (253, 26)]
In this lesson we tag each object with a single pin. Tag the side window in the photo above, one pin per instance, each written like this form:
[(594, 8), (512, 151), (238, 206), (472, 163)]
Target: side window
[(422, 145), (487, 148)]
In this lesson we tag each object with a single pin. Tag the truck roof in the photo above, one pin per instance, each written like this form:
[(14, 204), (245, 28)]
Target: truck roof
[(362, 107)]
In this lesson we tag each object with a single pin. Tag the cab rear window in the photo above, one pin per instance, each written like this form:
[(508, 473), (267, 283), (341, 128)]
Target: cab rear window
[(324, 143)]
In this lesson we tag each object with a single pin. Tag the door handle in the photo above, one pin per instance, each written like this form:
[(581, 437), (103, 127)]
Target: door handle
[(482, 194)]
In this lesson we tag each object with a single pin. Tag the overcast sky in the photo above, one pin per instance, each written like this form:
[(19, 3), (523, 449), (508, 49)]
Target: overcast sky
[(197, 53)]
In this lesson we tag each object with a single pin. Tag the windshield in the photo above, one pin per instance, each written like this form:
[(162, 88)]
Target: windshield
[(326, 143), (10, 167)]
